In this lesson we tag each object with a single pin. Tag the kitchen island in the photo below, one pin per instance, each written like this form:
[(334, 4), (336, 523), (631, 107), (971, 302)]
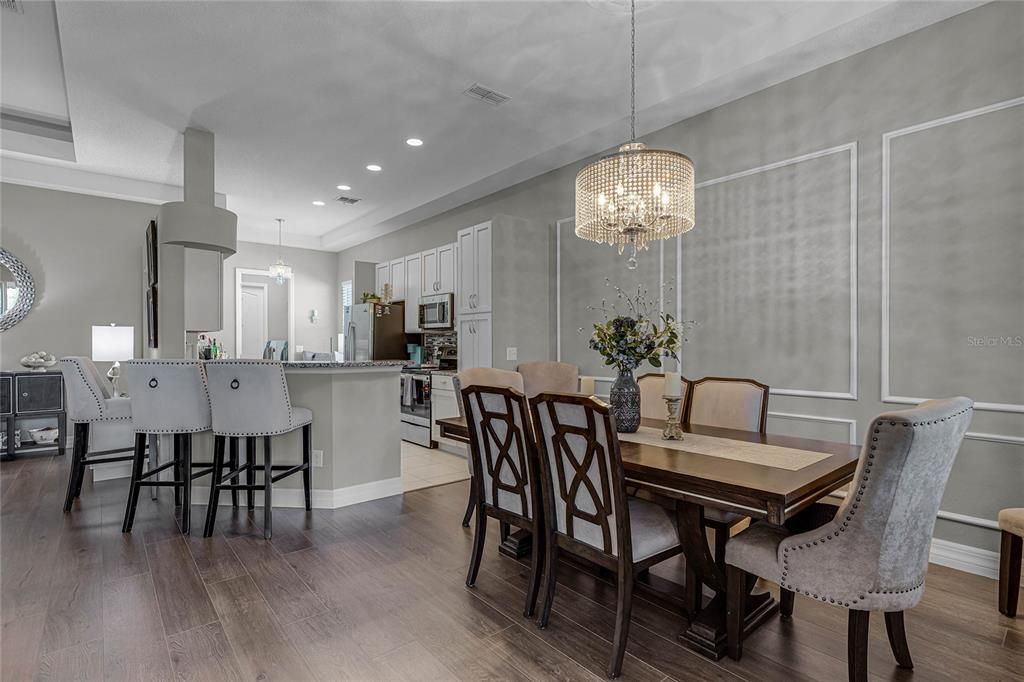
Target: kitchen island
[(355, 432)]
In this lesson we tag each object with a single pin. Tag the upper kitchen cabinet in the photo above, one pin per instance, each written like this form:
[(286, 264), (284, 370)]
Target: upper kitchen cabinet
[(383, 276), (474, 269), (413, 283), (397, 279), (438, 270)]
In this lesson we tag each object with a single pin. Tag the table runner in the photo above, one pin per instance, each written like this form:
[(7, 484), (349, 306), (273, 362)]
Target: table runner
[(753, 453)]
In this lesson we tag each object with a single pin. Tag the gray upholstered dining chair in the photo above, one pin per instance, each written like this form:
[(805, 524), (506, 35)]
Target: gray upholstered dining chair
[(168, 397), (726, 403), (502, 448), (652, 392), (873, 555), (103, 426), (549, 377), (586, 509), (250, 399), (480, 376)]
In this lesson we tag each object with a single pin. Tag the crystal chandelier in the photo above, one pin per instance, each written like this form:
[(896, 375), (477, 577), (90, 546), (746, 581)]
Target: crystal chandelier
[(636, 195), (280, 271)]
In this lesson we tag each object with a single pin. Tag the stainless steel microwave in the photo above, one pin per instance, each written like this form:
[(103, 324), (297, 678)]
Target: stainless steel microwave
[(436, 312)]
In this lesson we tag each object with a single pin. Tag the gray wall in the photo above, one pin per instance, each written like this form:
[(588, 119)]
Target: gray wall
[(780, 252), (85, 254)]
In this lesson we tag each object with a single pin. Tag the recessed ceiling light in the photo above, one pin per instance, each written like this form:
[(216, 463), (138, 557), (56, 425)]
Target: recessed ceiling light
[(319, 203), (374, 167), (344, 188), (414, 142)]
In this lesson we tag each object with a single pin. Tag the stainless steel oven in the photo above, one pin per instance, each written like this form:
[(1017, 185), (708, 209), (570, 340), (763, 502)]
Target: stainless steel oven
[(415, 410), (436, 312)]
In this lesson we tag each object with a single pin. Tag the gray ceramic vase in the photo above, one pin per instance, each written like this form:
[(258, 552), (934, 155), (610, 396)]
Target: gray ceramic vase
[(625, 402)]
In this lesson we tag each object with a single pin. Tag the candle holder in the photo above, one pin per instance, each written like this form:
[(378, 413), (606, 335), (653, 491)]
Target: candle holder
[(673, 431)]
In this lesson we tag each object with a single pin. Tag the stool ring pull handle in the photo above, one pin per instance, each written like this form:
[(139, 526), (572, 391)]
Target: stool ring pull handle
[(153, 383), (234, 384)]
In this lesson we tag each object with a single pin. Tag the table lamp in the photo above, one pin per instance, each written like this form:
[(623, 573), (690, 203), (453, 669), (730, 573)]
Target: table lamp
[(111, 343)]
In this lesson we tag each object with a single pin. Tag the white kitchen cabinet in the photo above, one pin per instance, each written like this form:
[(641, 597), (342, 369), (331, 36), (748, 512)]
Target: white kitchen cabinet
[(474, 269), (383, 276), (474, 341), (438, 270), (443, 405), (413, 284), (397, 279), (446, 269)]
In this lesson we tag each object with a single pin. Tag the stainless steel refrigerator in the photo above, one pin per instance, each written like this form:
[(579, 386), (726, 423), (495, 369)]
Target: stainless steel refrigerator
[(375, 331)]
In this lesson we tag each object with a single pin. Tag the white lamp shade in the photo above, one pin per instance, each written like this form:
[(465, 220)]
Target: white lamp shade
[(113, 344)]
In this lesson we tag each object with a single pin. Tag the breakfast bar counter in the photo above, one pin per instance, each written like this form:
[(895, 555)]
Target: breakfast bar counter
[(356, 443)]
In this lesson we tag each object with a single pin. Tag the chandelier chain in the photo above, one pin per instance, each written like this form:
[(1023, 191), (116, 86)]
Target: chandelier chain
[(632, 71)]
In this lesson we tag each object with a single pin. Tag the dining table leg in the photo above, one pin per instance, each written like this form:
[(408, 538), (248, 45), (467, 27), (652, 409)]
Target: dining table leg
[(706, 631)]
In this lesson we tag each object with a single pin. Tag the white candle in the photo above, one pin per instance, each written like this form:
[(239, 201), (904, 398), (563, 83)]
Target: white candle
[(587, 385), (673, 384)]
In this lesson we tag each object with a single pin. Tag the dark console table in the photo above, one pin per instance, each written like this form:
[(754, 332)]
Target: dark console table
[(31, 395)]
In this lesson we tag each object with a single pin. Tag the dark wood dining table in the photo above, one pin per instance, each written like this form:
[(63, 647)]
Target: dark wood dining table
[(695, 482)]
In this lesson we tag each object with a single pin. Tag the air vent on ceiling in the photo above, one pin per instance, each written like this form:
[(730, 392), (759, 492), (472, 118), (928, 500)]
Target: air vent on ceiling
[(485, 94), (12, 5), (347, 200)]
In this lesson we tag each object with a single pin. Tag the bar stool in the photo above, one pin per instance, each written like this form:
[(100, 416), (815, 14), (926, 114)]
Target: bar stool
[(169, 397), (101, 421), (249, 399)]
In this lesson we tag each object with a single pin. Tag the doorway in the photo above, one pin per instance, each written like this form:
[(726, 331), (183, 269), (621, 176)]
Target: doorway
[(254, 325)]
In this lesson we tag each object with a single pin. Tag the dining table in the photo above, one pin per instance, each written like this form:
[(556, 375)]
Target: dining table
[(768, 478)]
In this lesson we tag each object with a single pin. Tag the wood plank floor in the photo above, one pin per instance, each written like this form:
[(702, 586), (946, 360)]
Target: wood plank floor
[(375, 592)]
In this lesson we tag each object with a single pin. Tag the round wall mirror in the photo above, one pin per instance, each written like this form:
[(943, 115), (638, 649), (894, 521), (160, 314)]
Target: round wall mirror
[(17, 291)]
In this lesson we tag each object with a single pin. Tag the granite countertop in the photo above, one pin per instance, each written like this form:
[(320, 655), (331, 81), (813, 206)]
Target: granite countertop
[(329, 364)]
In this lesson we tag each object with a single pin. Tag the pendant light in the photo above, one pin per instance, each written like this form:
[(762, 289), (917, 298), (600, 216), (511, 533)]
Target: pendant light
[(280, 271), (636, 195)]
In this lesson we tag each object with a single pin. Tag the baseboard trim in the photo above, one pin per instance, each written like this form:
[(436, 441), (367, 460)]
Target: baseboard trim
[(965, 558), (321, 499)]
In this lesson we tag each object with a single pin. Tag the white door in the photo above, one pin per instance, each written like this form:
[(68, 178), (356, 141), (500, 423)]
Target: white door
[(482, 338), (466, 271), (254, 321), (482, 242), (467, 344), (446, 269), (429, 278), (474, 341), (413, 282)]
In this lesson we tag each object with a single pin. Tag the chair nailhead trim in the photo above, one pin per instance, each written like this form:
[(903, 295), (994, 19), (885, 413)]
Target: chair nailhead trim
[(850, 513)]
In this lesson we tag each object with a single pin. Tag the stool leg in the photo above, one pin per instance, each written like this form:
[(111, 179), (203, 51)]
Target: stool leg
[(250, 472), (77, 454), (177, 468), (84, 451), (307, 473), (233, 459), (186, 483), (218, 465), (268, 477), (1011, 548), (133, 491)]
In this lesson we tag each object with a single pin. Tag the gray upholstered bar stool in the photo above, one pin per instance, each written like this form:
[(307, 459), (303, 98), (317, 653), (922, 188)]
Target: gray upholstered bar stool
[(169, 397), (102, 422), (873, 556), (249, 399)]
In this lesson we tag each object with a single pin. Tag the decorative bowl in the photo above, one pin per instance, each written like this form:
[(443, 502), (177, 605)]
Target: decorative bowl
[(44, 436), (39, 361)]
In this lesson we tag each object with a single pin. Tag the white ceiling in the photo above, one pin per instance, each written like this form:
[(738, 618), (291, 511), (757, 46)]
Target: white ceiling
[(302, 95)]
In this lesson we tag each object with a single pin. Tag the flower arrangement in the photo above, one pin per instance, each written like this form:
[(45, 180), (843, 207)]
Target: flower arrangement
[(640, 333)]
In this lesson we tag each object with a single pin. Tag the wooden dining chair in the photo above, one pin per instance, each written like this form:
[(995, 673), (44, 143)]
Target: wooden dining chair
[(501, 445), (480, 376), (726, 403), (586, 509), (652, 396), (1011, 546), (873, 555)]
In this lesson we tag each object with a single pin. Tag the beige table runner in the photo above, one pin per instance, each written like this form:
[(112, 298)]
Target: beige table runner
[(753, 453)]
